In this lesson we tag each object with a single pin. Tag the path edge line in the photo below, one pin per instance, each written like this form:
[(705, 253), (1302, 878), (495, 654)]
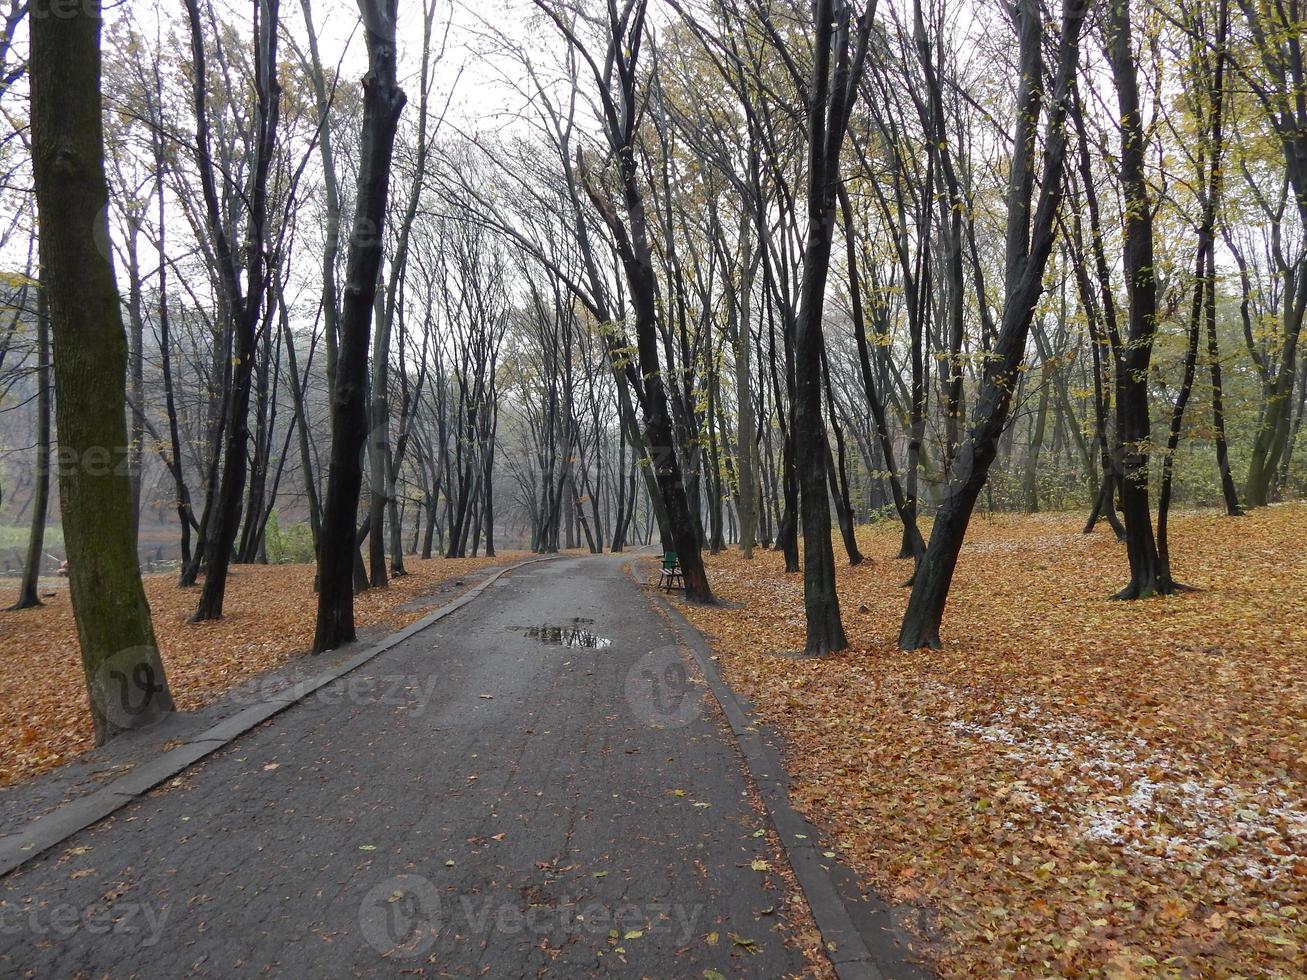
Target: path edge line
[(851, 957)]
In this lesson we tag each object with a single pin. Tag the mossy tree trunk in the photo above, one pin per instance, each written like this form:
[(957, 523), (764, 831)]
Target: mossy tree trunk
[(124, 674)]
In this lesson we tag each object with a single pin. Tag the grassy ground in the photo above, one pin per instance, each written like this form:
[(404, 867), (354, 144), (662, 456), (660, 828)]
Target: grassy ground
[(270, 609), (1072, 785)]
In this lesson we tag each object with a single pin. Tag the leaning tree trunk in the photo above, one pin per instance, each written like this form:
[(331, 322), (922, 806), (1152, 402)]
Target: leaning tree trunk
[(1209, 172), (912, 540), (1028, 246), (244, 301), (1109, 335), (225, 520), (1203, 266), (185, 512), (301, 424), (124, 673), (383, 100), (1229, 493), (27, 591), (657, 415), (1105, 498), (838, 473)]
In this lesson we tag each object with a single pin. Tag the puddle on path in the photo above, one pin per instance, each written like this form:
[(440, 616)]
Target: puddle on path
[(570, 634)]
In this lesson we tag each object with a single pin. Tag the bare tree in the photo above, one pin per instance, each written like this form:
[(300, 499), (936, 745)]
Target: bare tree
[(383, 100), (1030, 233)]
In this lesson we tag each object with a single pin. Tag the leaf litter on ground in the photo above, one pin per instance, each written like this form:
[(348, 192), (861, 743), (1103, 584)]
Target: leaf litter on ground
[(268, 620), (1072, 785)]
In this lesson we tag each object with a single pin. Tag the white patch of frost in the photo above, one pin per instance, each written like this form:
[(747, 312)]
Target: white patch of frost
[(1148, 802)]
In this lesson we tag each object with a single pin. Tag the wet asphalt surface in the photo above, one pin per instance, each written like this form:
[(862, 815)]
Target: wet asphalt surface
[(534, 786)]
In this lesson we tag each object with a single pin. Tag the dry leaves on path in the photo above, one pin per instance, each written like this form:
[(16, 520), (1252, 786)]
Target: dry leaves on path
[(1073, 785), (269, 619)]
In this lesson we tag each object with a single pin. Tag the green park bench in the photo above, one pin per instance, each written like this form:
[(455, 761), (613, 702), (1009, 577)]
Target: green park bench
[(671, 577)]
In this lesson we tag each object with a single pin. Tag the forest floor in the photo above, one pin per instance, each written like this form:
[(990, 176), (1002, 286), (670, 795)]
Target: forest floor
[(1072, 785), (269, 620)]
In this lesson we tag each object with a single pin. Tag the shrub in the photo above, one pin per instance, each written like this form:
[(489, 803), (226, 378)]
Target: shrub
[(292, 545)]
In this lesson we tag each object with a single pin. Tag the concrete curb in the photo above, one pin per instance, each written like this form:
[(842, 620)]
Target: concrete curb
[(852, 952), (61, 823)]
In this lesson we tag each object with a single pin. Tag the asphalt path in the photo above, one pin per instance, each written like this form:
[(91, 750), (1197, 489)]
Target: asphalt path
[(536, 785)]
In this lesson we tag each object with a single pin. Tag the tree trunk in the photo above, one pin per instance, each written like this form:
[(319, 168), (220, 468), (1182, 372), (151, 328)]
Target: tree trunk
[(1229, 494), (428, 538), (125, 678), (378, 443), (488, 515), (1134, 431), (912, 539), (1209, 175), (265, 429), (1027, 249), (637, 262), (1031, 480), (27, 590), (135, 360), (1105, 501), (302, 427), (383, 100), (1276, 35), (185, 512), (832, 91), (331, 199), (244, 301), (837, 471), (745, 430), (1204, 266)]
